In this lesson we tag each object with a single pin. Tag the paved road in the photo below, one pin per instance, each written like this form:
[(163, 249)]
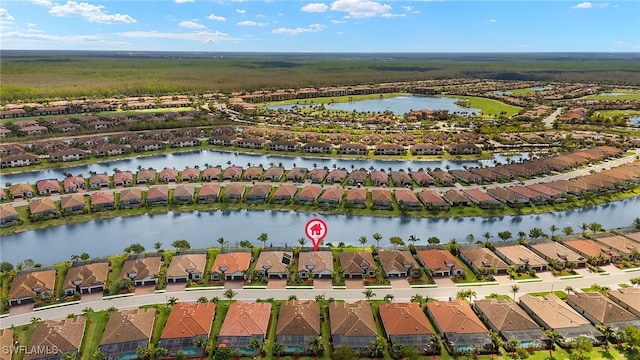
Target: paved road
[(615, 278), (548, 121)]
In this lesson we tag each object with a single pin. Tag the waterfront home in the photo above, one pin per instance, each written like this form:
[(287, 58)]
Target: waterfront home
[(234, 192), (622, 244), (443, 177), (480, 259), (356, 177), (62, 336), (432, 199), (224, 140), (8, 215), (168, 175), (190, 174), (65, 155), (595, 253), (317, 147), (426, 149), (480, 198), (185, 267), (283, 145), (352, 325), (157, 196), (185, 141), (318, 175), (406, 197), (521, 256), (147, 145), (250, 143), (466, 176), (381, 199), (401, 178), (185, 325), (183, 194), (211, 173), (141, 269), (508, 320), (551, 312), (274, 264), (309, 194), (146, 176), (26, 286), (455, 198), (130, 198), (423, 178), (390, 149), (628, 298), (398, 263), (599, 310), (19, 159), (99, 181), (557, 254), (102, 200), (253, 173), (461, 328), (86, 277), (315, 264), (298, 323), (353, 149), (109, 149), (123, 178), (508, 197), (274, 173), (463, 149), (284, 193), (258, 193), (21, 190), (208, 193), (126, 331), (243, 324), (297, 174), (357, 197), (405, 324), (42, 208), (440, 261), (232, 173), (231, 266), (331, 196), (338, 176), (358, 264)]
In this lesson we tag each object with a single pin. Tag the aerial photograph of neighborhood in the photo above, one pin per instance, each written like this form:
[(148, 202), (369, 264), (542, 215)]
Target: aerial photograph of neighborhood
[(311, 179)]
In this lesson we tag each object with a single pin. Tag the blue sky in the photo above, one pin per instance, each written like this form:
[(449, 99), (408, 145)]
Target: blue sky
[(321, 26)]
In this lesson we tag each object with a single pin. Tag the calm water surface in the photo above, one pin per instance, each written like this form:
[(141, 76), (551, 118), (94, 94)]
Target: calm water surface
[(202, 229)]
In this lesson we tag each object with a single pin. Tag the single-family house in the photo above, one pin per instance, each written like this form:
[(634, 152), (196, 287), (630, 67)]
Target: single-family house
[(480, 259), (253, 173), (440, 261), (146, 176), (628, 298), (185, 325), (186, 267), (556, 254), (357, 197), (126, 331), (42, 208), (141, 269), (53, 339), (208, 193), (406, 324), (284, 193), (258, 193), (8, 215), (274, 264), (480, 198), (461, 328), (232, 173), (231, 266), (21, 190), (274, 173), (27, 285), (130, 198), (352, 325), (99, 181), (234, 192), (158, 196), (358, 264), (168, 175), (183, 193), (309, 194), (381, 199), (73, 184), (315, 264), (102, 200), (318, 175), (86, 277), (123, 178), (401, 178), (432, 199), (74, 203), (599, 310), (298, 323), (297, 174), (211, 173), (595, 253), (510, 321), (338, 176), (398, 263), (48, 186), (407, 199), (423, 178), (331, 196), (520, 256), (244, 323)]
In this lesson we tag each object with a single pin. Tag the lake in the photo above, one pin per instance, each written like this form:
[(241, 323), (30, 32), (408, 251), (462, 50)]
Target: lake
[(202, 229), (398, 105), (212, 157)]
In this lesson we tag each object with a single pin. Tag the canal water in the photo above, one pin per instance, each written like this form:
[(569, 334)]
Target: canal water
[(202, 229)]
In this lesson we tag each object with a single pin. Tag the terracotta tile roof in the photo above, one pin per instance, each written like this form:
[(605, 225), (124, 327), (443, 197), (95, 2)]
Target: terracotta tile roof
[(309, 193), (456, 316), (246, 319), (553, 250), (406, 196), (64, 335), (545, 190), (273, 259), (233, 172), (234, 190), (190, 173), (599, 307), (381, 196), (505, 315), (189, 320), (131, 194), (23, 284), (352, 262), (479, 196), (322, 261), (143, 267), (49, 184), (521, 255), (455, 197), (554, 312), (285, 191), (431, 197), (156, 193), (211, 172), (99, 179), (357, 195), (482, 257), (422, 177), (401, 177), (41, 206), (299, 317), (404, 319), (128, 325), (318, 175), (259, 191), (337, 175), (184, 191), (253, 172), (180, 263), (297, 173), (621, 243), (102, 198), (209, 190), (92, 274), (633, 236), (167, 174), (234, 261), (439, 259), (352, 319), (274, 173), (590, 248), (395, 260), (332, 194), (7, 210), (6, 337)]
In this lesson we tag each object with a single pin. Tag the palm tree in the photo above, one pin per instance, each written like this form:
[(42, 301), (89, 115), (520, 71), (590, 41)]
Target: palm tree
[(569, 289), (263, 237), (157, 245), (496, 340), (389, 298), (567, 230), (316, 345), (363, 240), (413, 239), (595, 227), (554, 336), (221, 242), (302, 241), (504, 235), (377, 237), (470, 238), (536, 233), (172, 300), (278, 349), (368, 293), (487, 235), (553, 229), (230, 294), (514, 290), (608, 331), (521, 235)]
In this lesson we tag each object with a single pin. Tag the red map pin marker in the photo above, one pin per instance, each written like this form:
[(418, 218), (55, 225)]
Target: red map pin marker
[(316, 230)]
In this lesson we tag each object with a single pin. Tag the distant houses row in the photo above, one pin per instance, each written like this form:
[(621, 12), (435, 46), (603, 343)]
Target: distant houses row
[(351, 324)]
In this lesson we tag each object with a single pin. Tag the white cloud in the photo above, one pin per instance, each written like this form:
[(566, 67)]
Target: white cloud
[(251, 23), (492, 20), (31, 25), (338, 22), (241, 11), (56, 38), (201, 36), (190, 24), (183, 1), (42, 2), (625, 44), (216, 18), (5, 16), (315, 7), (91, 13), (361, 8), (297, 31), (583, 5)]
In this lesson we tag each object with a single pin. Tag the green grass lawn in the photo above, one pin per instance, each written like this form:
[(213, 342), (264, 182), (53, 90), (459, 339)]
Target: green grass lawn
[(622, 94), (608, 114), (96, 323), (490, 108)]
